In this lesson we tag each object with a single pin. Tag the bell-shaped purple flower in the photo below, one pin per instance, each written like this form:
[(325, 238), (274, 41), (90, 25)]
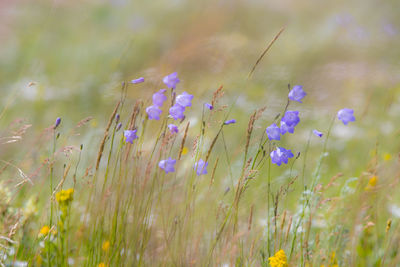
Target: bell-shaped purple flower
[(184, 99), (176, 112), (286, 129), (346, 115), (317, 133), (230, 122), (281, 155), (291, 118), (139, 80), (159, 98), (130, 135), (171, 80), (168, 165), (201, 167), (297, 93), (273, 132), (173, 128), (209, 106), (153, 112)]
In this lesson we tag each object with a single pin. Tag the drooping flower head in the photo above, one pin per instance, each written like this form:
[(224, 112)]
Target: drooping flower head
[(281, 155), (230, 122), (209, 106), (184, 99), (273, 132), (173, 128), (153, 112), (286, 129), (346, 115), (289, 121), (317, 133), (297, 93), (159, 98), (176, 112), (168, 165), (139, 80), (201, 167), (171, 80), (130, 135)]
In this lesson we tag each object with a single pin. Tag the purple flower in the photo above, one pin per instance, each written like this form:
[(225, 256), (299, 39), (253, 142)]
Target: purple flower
[(57, 123), (273, 132), (176, 111), (291, 118), (346, 115), (184, 99), (139, 80), (118, 127), (117, 117), (230, 121), (167, 165), (209, 106), (281, 155), (201, 167), (297, 93), (173, 128), (159, 98), (130, 135), (171, 80), (154, 112), (286, 129), (317, 133)]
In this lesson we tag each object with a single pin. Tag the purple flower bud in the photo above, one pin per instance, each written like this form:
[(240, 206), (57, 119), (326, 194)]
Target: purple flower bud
[(230, 121), (184, 99), (173, 128), (318, 133), (153, 112), (297, 93), (139, 80), (346, 115), (281, 155), (159, 98), (209, 106), (118, 127), (273, 132), (57, 123), (176, 111), (130, 135), (201, 167), (117, 117), (171, 80), (167, 165)]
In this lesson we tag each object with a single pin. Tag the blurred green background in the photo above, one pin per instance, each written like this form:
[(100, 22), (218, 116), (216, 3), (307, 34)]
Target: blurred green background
[(68, 59)]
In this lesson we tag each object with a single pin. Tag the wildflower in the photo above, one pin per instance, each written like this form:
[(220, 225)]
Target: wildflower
[(117, 117), (201, 167), (317, 133), (281, 155), (230, 122), (65, 196), (273, 132), (176, 111), (130, 135), (153, 112), (106, 245), (346, 115), (173, 128), (372, 183), (171, 80), (167, 165), (209, 106), (387, 157), (101, 264), (138, 80), (118, 127), (286, 129), (44, 230), (57, 123), (297, 93), (184, 99), (289, 121), (278, 260), (159, 98), (185, 150)]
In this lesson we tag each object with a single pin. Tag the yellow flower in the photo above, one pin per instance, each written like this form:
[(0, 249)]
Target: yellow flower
[(105, 246), (372, 183), (101, 264), (387, 157), (278, 260), (44, 231), (185, 150), (64, 196)]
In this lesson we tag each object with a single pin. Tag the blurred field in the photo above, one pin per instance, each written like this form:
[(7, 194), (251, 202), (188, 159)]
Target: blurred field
[(68, 59)]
